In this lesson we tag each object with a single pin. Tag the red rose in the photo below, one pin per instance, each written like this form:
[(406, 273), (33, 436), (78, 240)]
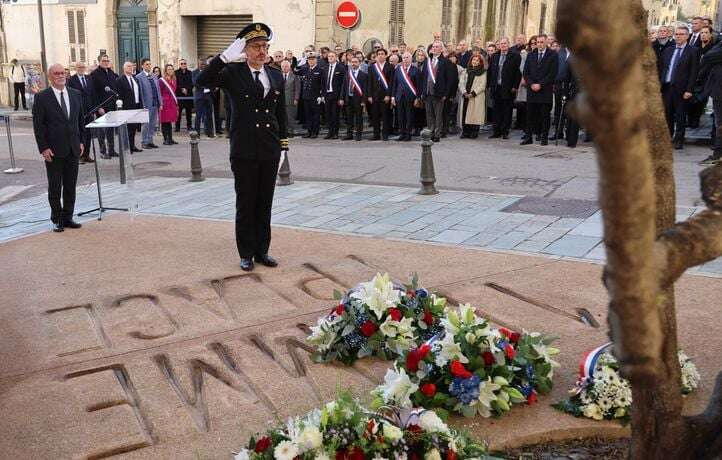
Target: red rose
[(505, 332), (341, 454), (395, 314), (510, 352), (410, 294), (370, 426), (429, 389), (458, 370), (488, 358), (451, 455), (412, 360), (339, 310), (356, 454), (413, 456), (262, 444), (428, 317), (515, 336), (424, 350), (368, 328), (414, 428), (532, 398)]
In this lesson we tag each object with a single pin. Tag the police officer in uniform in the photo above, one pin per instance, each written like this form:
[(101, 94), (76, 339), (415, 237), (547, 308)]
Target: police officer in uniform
[(312, 94), (258, 135)]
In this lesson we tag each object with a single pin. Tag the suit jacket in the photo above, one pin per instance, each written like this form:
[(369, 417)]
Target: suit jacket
[(709, 76), (87, 92), (659, 48), (53, 130), (311, 82), (292, 88), (259, 125), (374, 85), (510, 75), (543, 73), (184, 80), (694, 41), (127, 95), (339, 74), (685, 71), (146, 89), (362, 78), (401, 91), (102, 78), (443, 76)]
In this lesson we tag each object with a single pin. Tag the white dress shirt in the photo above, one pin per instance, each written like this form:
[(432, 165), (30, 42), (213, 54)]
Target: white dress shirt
[(65, 96), (331, 69), (265, 81), (134, 86)]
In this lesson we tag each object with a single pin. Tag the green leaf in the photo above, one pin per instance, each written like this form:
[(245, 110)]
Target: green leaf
[(337, 295), (468, 411)]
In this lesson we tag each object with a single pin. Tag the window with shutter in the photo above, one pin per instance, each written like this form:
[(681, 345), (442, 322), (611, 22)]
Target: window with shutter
[(76, 35), (446, 20), (71, 27), (477, 15), (396, 22)]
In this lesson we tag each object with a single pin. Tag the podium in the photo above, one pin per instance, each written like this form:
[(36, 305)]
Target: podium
[(118, 120), (7, 116)]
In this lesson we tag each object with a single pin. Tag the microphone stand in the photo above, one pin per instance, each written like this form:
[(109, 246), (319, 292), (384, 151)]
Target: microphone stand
[(100, 207)]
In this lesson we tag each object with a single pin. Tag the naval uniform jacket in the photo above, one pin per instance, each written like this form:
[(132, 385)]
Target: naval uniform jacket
[(258, 130)]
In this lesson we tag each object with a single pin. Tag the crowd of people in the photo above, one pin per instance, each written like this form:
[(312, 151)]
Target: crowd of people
[(451, 89)]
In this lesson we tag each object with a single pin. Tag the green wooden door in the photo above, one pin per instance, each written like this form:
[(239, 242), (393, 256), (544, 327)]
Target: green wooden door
[(133, 42)]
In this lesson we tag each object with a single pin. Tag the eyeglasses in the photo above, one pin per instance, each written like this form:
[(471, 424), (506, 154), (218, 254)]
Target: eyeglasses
[(183, 63)]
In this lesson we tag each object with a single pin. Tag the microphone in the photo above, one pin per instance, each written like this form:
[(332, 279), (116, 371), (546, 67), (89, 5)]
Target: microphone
[(108, 89)]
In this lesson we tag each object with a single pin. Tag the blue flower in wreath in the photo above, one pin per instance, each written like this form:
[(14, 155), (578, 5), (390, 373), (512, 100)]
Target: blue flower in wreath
[(423, 293), (355, 340), (361, 318), (465, 390), (526, 389), (529, 371)]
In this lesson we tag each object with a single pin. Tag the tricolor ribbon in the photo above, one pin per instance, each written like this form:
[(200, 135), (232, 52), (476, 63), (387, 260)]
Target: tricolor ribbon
[(382, 77), (432, 70), (355, 84), (589, 361), (408, 81)]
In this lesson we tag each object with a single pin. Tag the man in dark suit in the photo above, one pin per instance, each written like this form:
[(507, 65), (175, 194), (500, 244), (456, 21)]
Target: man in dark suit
[(694, 39), (311, 94), (678, 74), (353, 98), (503, 79), (662, 42), (81, 82), (104, 77), (258, 135), (333, 78), (184, 88), (560, 93), (203, 102), (434, 88), (405, 94), (129, 92), (378, 92), (710, 78), (58, 127), (540, 71)]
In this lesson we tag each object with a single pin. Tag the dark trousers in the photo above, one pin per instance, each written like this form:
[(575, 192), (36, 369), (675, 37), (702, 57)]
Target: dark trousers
[(217, 110), (380, 117), (312, 116), (332, 114), (434, 115), (559, 116), (447, 115), (355, 116), (167, 130), (19, 90), (468, 131), (132, 129), (538, 119), (520, 115), (62, 177), (186, 104), (694, 112), (106, 135), (405, 111), (717, 107), (675, 110), (572, 130), (503, 109), (204, 111), (255, 182)]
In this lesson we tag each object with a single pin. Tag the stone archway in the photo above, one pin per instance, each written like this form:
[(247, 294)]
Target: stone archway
[(111, 21)]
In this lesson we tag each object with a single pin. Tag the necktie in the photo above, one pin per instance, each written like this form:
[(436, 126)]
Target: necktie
[(330, 78), (541, 56), (259, 85), (63, 106), (502, 57), (82, 81), (672, 65)]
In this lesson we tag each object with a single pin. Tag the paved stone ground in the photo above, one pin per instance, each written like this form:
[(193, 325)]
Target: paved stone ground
[(467, 219)]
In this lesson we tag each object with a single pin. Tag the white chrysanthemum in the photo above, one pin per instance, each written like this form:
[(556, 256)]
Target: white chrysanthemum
[(432, 423), (286, 450), (450, 350), (392, 433), (244, 454), (309, 439), (690, 375), (433, 454), (592, 411), (378, 294), (398, 388)]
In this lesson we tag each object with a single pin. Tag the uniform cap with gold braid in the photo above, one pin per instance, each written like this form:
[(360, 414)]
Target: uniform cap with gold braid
[(255, 31)]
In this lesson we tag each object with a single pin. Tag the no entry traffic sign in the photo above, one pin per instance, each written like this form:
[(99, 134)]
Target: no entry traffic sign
[(347, 15)]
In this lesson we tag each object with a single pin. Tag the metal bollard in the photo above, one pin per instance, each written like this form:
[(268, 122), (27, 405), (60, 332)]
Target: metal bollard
[(196, 168), (284, 172), (428, 177)]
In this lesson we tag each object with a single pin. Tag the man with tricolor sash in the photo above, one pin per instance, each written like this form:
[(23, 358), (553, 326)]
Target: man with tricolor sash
[(353, 97), (405, 94), (434, 88), (379, 95)]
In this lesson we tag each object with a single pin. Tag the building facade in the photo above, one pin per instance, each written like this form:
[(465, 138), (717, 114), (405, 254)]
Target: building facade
[(662, 12)]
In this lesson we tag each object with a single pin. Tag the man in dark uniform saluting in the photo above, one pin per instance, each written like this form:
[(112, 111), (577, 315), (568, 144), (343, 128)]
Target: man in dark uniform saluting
[(258, 135)]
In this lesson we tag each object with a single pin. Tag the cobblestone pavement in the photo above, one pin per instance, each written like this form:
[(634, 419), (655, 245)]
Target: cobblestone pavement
[(468, 219)]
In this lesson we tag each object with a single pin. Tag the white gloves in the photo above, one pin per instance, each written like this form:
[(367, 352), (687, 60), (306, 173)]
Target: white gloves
[(320, 100), (233, 52)]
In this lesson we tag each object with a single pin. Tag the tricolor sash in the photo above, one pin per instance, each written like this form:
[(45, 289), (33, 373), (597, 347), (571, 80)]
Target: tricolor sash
[(381, 76), (432, 71), (170, 90), (355, 84), (408, 81), (589, 361)]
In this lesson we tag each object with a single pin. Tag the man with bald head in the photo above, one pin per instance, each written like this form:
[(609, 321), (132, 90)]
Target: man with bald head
[(129, 92), (81, 82), (59, 128)]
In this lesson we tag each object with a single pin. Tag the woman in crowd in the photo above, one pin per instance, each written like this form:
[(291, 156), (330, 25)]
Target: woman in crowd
[(156, 72), (419, 59), (472, 84), (520, 102), (455, 97), (169, 111)]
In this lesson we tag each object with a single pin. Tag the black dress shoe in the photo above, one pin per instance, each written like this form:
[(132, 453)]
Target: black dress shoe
[(104, 156), (172, 142), (679, 145), (334, 137), (436, 139), (266, 260), (328, 136), (495, 136), (177, 129), (57, 228), (135, 149), (385, 138), (526, 142), (152, 145), (376, 138), (313, 136), (113, 154), (246, 264), (358, 137), (306, 136), (348, 137), (71, 224)]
